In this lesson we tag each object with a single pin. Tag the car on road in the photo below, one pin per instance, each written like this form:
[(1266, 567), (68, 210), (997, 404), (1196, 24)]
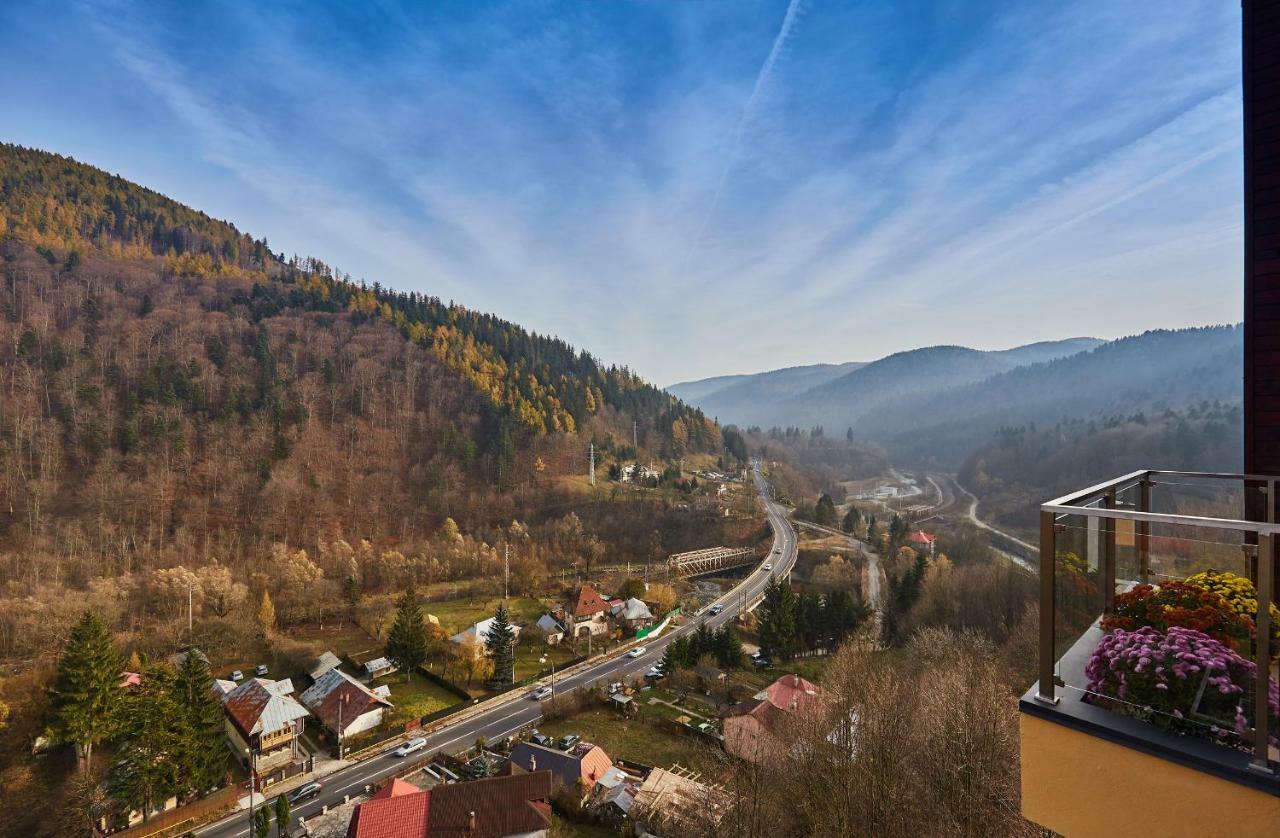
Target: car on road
[(637, 652), (261, 669), (307, 791), (542, 693), (568, 741), (542, 739), (410, 747), (237, 676), (715, 609), (768, 566)]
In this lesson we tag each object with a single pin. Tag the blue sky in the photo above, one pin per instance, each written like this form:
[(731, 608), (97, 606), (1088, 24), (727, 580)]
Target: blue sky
[(689, 188)]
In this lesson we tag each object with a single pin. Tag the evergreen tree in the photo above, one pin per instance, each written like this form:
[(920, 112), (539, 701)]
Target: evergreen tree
[(704, 641), (87, 695), (262, 821), (154, 738), (778, 621), (500, 640), (728, 648), (824, 511), (205, 761), (351, 594), (407, 640), (670, 659), (851, 520), (809, 629), (283, 814)]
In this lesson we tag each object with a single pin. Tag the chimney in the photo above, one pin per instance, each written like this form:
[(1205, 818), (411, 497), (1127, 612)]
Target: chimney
[(533, 762), (471, 821)]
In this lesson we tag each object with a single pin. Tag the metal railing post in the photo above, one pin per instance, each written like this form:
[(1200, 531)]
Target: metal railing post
[(1262, 657), (1144, 532), (1045, 690), (1109, 556)]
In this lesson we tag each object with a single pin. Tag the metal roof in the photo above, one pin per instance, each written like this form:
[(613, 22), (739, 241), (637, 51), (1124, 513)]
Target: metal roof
[(260, 706)]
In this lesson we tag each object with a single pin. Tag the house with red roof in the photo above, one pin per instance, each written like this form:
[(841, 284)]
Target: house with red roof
[(262, 718), (922, 539), (757, 730), (496, 807), (585, 764), (589, 613), (344, 705)]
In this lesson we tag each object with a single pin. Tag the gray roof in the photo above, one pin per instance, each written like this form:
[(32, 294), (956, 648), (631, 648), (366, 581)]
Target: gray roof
[(260, 706), (634, 609), (324, 663), (621, 795), (548, 624)]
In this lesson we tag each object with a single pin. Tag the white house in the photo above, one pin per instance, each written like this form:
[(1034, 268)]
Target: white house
[(475, 634), (344, 705)]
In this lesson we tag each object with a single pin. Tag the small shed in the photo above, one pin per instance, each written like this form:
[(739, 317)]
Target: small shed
[(378, 667), (623, 703)]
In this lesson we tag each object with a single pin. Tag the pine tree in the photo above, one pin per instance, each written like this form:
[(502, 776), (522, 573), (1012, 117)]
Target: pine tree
[(266, 617), (500, 640), (851, 520), (87, 695), (407, 640), (154, 735), (778, 621), (728, 648), (351, 594), (205, 761), (262, 821), (824, 511), (703, 641)]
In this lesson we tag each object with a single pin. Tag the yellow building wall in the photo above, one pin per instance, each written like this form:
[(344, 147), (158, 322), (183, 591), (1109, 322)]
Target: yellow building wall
[(1082, 786)]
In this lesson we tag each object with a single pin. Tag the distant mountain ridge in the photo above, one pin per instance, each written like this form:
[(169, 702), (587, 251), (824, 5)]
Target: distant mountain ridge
[(836, 395)]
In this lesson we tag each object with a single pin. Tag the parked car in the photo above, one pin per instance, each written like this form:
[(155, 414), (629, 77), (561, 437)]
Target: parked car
[(707, 727), (654, 672), (237, 676), (637, 652), (762, 662), (568, 741), (306, 791), (542, 739), (261, 669), (542, 693), (410, 747)]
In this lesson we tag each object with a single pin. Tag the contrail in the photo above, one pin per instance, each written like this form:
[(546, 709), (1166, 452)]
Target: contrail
[(762, 81)]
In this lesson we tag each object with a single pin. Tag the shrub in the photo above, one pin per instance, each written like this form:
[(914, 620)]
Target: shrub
[(1157, 675), (1239, 593), (1183, 605)]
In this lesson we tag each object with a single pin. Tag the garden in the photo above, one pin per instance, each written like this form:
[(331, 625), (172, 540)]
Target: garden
[(1174, 655)]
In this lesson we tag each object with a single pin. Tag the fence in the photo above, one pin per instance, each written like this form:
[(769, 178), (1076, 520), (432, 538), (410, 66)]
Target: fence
[(185, 816)]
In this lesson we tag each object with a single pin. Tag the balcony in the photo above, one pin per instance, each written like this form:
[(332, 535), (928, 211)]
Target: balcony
[(1156, 708)]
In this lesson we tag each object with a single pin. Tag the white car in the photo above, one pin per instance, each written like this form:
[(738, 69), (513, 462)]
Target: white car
[(541, 693), (637, 652), (768, 566), (410, 747)]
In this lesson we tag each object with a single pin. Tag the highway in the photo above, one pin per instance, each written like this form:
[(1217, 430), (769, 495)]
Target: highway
[(507, 717)]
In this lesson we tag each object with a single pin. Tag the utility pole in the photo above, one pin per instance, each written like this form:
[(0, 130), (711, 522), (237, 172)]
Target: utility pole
[(188, 608), (506, 569), (635, 438), (591, 469)]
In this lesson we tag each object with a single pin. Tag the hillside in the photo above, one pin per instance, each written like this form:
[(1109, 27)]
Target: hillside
[(171, 384), (1153, 372), (748, 399)]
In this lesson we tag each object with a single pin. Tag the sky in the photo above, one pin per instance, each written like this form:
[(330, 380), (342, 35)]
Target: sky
[(687, 188)]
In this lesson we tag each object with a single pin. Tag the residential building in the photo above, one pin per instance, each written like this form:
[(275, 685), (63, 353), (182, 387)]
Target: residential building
[(1188, 761), (589, 613), (475, 634), (760, 730), (551, 628), (343, 705), (264, 720), (496, 807), (327, 660), (634, 614), (378, 667), (922, 540), (585, 764)]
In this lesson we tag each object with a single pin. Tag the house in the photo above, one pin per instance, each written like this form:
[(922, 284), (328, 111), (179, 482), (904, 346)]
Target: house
[(221, 686), (757, 730), (922, 539), (328, 660), (515, 805), (263, 719), (675, 803), (589, 613), (634, 614), (553, 631), (474, 635), (378, 667), (345, 706), (613, 805), (586, 763)]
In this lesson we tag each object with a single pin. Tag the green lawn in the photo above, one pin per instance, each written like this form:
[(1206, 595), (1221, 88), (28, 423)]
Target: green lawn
[(455, 615), (639, 739), (415, 699)]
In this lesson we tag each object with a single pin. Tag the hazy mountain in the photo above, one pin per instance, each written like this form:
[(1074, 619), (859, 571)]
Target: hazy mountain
[(1148, 373), (750, 399)]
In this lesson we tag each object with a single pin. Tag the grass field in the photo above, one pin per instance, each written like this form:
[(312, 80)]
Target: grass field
[(639, 739), (415, 699), (456, 615)]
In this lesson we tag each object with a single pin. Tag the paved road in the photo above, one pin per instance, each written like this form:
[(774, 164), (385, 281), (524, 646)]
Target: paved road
[(505, 719)]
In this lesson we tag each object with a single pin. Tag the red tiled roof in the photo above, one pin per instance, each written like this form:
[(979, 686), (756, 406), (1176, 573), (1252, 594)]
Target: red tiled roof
[(397, 815), (395, 788), (492, 807), (335, 689), (791, 692), (589, 602), (770, 717), (921, 537)]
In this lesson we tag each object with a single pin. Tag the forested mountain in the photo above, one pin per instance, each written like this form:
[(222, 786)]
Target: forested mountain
[(749, 398), (1147, 374), (172, 385)]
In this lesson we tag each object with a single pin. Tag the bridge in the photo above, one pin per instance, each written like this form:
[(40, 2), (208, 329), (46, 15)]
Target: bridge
[(699, 562)]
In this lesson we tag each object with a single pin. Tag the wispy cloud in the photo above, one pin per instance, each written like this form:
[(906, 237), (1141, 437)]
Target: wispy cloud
[(688, 188)]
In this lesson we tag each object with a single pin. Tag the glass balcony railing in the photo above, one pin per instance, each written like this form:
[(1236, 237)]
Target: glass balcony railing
[(1157, 613)]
